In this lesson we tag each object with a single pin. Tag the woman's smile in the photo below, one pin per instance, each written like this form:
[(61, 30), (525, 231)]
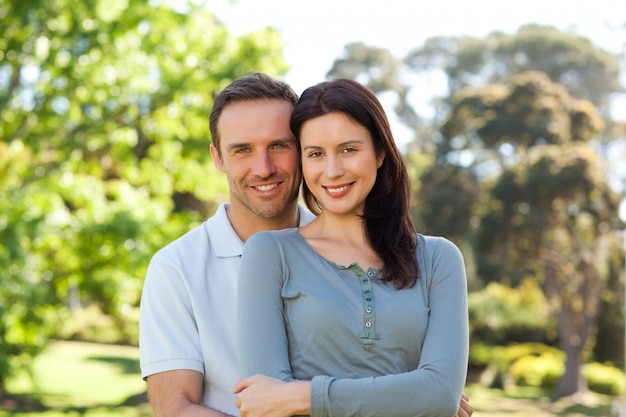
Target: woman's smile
[(338, 190)]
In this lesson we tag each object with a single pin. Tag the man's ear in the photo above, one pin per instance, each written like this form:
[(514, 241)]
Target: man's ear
[(216, 159)]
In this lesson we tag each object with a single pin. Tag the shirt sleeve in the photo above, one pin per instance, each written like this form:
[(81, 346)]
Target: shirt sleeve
[(168, 333), (262, 338), (435, 387)]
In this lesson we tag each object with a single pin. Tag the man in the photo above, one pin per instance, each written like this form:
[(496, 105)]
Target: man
[(187, 335)]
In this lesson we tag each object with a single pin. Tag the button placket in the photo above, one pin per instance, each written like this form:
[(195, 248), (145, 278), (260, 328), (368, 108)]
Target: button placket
[(368, 335)]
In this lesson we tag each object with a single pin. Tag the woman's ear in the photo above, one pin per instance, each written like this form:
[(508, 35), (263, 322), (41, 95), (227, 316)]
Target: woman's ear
[(380, 158)]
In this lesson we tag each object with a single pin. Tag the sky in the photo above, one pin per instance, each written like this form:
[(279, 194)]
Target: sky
[(315, 32)]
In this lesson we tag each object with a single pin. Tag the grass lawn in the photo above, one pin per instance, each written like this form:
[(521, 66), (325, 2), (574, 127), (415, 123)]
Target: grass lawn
[(531, 402), (100, 380), (80, 379)]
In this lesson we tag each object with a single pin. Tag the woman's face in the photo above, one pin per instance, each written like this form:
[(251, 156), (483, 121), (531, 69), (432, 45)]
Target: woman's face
[(339, 162)]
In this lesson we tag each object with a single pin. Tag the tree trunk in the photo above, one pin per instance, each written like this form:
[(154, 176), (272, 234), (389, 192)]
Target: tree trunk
[(577, 290), (572, 382)]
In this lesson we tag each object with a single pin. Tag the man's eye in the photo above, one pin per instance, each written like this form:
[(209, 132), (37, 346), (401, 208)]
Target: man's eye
[(242, 150)]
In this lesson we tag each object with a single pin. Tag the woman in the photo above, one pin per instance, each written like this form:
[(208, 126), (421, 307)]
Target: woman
[(370, 316)]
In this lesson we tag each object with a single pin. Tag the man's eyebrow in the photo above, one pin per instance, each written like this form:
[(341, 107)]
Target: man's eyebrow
[(238, 145), (281, 141)]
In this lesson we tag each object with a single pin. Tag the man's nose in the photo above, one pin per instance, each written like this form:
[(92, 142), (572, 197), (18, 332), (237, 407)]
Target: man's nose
[(264, 165)]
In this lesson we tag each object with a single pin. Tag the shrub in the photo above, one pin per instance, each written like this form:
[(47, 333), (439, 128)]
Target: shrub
[(497, 361), (500, 314), (541, 371), (540, 366), (604, 379)]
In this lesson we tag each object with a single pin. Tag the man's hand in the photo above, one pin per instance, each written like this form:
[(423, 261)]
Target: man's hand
[(465, 408), (263, 396)]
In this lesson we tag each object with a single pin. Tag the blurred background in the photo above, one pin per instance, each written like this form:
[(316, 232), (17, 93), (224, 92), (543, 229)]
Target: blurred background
[(511, 116)]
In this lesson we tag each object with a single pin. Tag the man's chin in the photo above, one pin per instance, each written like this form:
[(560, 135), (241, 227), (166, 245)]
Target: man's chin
[(272, 211)]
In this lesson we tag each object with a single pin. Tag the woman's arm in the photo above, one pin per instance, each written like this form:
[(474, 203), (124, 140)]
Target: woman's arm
[(435, 387), (261, 334), (262, 338)]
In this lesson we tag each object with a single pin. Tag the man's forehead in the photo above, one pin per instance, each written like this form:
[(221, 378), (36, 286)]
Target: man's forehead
[(255, 105), (255, 122)]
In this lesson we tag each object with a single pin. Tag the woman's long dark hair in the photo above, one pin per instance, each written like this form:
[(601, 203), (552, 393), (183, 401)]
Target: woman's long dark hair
[(389, 227)]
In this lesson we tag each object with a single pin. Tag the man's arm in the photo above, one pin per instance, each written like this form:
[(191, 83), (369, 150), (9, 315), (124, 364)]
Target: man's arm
[(175, 387), (178, 393)]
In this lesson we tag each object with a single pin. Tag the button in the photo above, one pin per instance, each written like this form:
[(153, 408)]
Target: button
[(370, 274), (368, 324), (368, 310)]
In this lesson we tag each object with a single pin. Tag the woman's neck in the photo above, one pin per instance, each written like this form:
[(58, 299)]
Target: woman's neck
[(341, 240)]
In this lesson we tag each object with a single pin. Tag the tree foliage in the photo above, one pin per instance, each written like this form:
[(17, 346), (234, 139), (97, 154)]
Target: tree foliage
[(446, 201), (551, 213), (534, 111), (568, 59), (104, 154)]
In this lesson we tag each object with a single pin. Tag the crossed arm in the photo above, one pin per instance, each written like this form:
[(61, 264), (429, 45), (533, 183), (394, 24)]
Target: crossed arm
[(180, 392), (434, 387), (263, 396)]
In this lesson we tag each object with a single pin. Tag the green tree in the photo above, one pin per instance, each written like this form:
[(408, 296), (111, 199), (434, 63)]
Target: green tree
[(566, 58), (104, 150), (552, 213)]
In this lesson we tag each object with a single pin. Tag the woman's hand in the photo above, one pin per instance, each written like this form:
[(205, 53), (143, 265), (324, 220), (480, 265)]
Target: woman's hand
[(465, 408), (263, 396)]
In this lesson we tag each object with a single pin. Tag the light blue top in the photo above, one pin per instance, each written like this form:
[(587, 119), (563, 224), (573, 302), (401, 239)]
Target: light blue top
[(368, 348)]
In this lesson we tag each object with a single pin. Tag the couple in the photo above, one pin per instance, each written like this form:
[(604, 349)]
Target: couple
[(375, 316)]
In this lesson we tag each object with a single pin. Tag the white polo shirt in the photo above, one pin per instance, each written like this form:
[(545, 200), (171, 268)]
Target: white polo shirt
[(188, 306)]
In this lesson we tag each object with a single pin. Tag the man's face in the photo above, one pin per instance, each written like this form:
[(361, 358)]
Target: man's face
[(259, 157)]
